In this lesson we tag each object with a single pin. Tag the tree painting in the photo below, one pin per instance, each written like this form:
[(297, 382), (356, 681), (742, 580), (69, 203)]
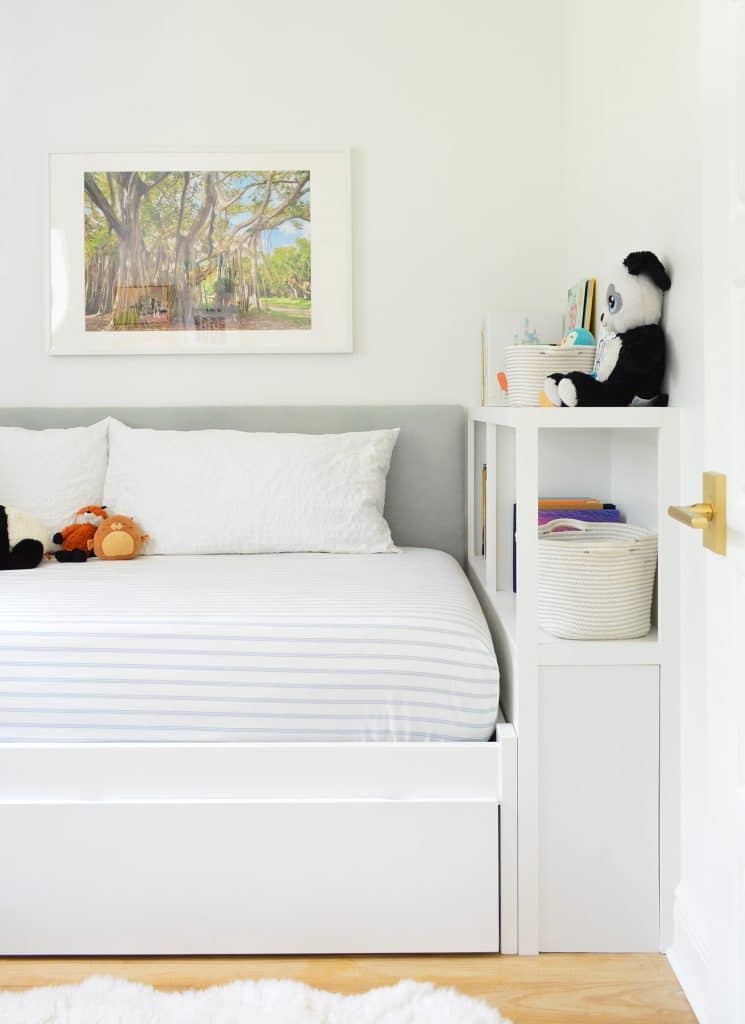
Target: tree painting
[(197, 250)]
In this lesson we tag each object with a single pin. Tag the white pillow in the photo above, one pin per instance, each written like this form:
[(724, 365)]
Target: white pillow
[(234, 492), (53, 473)]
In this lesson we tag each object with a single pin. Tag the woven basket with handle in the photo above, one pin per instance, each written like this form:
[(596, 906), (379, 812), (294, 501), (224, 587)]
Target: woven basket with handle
[(595, 580)]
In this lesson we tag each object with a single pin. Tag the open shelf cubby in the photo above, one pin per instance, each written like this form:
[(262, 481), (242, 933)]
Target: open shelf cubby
[(627, 456)]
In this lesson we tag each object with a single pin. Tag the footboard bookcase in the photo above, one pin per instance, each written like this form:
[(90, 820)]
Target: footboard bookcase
[(596, 721)]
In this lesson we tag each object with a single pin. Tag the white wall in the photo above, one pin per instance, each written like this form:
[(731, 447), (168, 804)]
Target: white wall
[(632, 174), (637, 184), (453, 116)]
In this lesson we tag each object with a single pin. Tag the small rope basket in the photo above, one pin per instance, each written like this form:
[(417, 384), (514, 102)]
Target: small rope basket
[(595, 580), (527, 366)]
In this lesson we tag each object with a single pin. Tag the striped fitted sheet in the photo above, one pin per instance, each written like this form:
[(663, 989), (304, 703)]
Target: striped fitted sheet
[(283, 648)]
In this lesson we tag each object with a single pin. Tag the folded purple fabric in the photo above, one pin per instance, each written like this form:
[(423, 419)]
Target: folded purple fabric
[(588, 515)]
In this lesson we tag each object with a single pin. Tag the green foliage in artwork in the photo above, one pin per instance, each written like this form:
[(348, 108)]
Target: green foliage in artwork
[(286, 272), (300, 304), (163, 248), (126, 318)]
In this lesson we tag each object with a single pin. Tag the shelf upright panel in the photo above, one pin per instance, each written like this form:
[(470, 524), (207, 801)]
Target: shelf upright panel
[(526, 698), (491, 552), (470, 488)]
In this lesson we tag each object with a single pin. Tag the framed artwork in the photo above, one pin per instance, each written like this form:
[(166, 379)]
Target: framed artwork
[(199, 253)]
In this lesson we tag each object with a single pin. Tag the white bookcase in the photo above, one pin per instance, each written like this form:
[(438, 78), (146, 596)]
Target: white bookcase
[(596, 721)]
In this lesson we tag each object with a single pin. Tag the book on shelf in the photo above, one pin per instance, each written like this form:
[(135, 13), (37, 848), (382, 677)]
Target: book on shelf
[(584, 515), (579, 304), (589, 296), (483, 509), (548, 503)]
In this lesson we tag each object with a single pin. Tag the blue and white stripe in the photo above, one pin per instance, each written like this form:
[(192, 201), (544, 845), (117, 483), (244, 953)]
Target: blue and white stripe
[(287, 647)]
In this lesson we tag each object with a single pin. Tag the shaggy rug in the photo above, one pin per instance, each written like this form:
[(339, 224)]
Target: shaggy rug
[(104, 1000)]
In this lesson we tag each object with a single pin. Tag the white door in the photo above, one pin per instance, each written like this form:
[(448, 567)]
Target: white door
[(722, 603)]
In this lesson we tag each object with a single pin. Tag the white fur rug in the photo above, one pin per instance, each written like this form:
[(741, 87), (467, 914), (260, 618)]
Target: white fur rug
[(102, 1000)]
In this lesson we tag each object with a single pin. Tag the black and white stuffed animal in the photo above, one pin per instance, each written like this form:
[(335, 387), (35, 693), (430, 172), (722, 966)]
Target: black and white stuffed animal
[(630, 360), (23, 539)]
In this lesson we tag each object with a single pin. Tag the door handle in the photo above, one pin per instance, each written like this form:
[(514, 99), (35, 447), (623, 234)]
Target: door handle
[(698, 516), (709, 515)]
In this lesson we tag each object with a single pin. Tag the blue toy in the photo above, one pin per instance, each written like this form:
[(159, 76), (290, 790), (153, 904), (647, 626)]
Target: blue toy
[(578, 336)]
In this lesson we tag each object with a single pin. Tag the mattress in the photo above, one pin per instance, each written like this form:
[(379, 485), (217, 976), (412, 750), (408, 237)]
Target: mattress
[(246, 648)]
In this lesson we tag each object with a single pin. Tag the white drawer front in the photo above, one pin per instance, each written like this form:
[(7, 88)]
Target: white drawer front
[(288, 877), (599, 792)]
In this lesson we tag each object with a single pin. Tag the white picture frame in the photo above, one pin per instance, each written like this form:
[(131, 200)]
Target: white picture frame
[(139, 320)]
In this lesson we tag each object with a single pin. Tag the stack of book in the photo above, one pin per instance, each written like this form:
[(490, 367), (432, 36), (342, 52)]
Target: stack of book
[(587, 510)]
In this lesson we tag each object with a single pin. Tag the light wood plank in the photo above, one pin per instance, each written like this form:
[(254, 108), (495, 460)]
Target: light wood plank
[(550, 989)]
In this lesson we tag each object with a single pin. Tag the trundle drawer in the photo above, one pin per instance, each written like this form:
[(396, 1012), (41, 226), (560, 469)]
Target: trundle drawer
[(149, 849), (256, 877)]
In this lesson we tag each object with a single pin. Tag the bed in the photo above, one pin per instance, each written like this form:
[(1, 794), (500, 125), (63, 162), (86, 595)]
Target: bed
[(230, 648), (260, 753)]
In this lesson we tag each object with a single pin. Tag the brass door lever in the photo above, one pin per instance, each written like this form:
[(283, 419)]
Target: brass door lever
[(697, 516), (709, 515)]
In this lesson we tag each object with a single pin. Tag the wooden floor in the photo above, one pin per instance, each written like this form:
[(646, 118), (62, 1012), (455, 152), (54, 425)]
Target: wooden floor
[(550, 989)]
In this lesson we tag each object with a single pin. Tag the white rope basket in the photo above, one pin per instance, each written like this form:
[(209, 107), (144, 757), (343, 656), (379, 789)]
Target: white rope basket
[(595, 581), (527, 366)]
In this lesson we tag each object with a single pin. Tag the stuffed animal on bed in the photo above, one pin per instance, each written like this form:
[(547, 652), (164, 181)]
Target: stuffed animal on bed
[(74, 537), (23, 539), (630, 358), (118, 538)]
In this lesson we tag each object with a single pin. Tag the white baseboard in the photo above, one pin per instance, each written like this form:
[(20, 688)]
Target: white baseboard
[(689, 959)]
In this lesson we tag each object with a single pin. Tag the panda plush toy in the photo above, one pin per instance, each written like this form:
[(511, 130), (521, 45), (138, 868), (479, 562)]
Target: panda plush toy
[(23, 539), (630, 359)]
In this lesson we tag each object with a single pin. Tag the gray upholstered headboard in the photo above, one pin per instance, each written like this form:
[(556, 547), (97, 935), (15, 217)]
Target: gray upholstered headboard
[(425, 503)]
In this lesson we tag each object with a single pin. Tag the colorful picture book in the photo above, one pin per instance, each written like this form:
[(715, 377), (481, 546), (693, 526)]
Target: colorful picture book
[(579, 304)]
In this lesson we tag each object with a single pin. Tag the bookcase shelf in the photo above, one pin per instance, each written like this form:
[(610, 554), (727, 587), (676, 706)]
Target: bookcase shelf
[(552, 419), (628, 456)]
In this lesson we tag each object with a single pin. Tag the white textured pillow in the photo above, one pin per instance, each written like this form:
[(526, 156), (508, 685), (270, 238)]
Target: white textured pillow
[(234, 492), (53, 473)]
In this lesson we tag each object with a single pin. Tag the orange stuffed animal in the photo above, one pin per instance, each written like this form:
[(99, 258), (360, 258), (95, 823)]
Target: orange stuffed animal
[(118, 537), (75, 537)]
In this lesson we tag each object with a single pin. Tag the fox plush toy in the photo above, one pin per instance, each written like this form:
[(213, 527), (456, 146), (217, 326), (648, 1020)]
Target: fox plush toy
[(74, 539)]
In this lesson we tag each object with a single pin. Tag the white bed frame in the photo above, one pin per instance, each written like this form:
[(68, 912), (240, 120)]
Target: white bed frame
[(270, 848)]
